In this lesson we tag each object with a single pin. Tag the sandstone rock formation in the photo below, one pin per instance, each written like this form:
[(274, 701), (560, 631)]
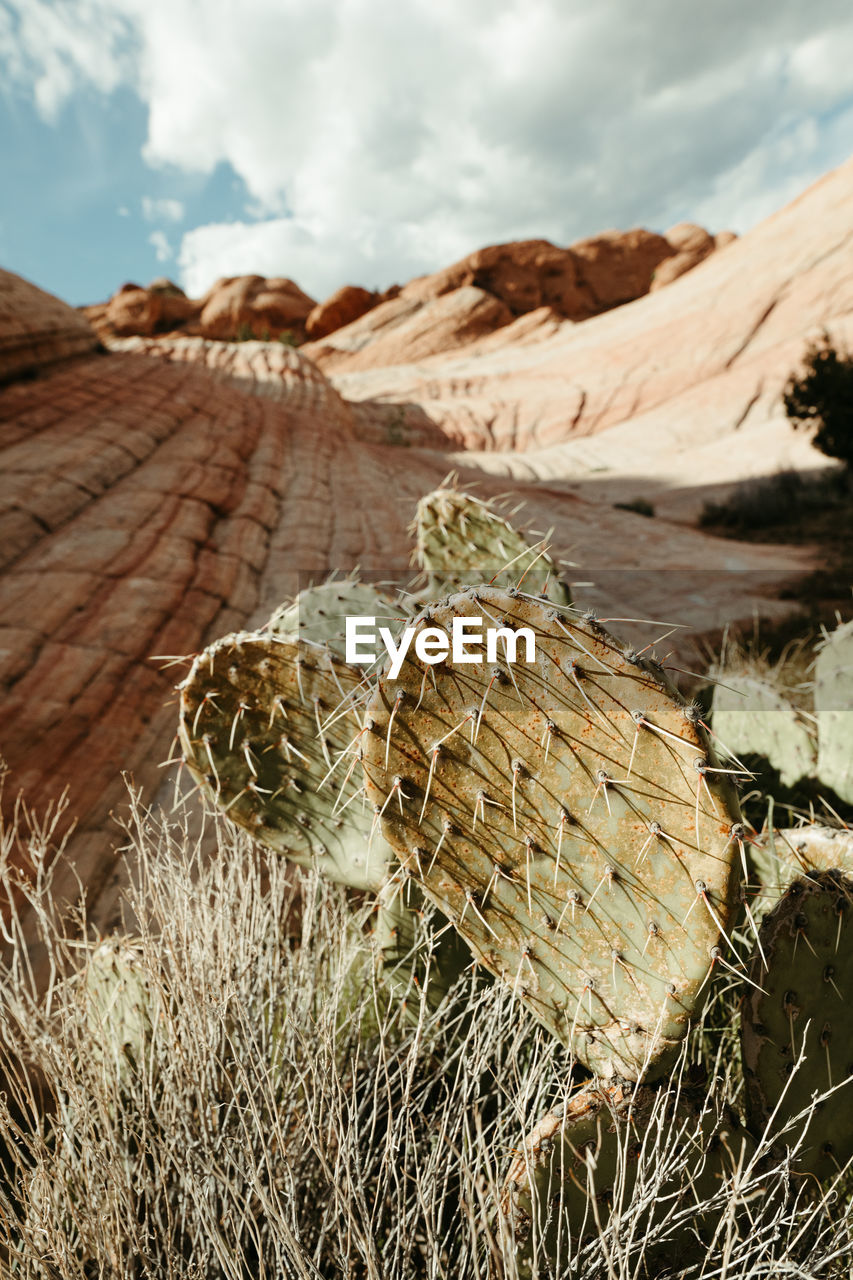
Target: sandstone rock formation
[(37, 329), (345, 305), (178, 488), (589, 277), (675, 397), (252, 306)]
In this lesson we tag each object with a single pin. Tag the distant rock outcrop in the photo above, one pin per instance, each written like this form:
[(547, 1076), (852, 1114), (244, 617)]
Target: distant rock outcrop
[(254, 307), (345, 305), (576, 283), (524, 276)]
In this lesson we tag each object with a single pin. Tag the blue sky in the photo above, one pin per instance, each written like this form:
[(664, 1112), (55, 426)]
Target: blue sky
[(356, 141)]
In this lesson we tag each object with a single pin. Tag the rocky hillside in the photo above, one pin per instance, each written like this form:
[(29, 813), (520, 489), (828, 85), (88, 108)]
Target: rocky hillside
[(483, 292), (169, 489)]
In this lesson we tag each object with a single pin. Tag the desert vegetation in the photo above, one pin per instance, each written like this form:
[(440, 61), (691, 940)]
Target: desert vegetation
[(371, 1022)]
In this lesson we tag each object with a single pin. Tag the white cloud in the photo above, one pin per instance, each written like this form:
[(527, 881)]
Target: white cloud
[(377, 141), (162, 248), (164, 210)]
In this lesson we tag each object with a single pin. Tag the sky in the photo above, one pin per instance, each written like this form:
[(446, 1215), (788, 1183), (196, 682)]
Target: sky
[(369, 141)]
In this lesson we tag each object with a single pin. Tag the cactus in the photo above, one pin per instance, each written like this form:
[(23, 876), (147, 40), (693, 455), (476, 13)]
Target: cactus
[(752, 716), (267, 726), (778, 858), (462, 540), (414, 953), (606, 1139), (318, 613), (118, 1002), (798, 1008), (834, 709), (568, 816)]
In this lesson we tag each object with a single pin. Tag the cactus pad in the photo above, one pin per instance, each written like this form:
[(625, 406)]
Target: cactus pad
[(414, 955), (263, 719), (778, 858), (565, 816), (752, 716), (318, 614), (593, 1151), (834, 708), (803, 1009), (462, 540), (118, 1002)]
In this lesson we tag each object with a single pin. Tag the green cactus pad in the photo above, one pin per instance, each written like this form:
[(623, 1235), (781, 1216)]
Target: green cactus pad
[(570, 1167), (752, 716), (834, 708), (263, 719), (318, 614), (778, 858), (804, 1008), (565, 816), (462, 540), (118, 1002)]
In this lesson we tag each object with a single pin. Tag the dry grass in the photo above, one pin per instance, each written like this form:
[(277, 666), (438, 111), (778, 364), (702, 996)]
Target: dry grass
[(267, 1111)]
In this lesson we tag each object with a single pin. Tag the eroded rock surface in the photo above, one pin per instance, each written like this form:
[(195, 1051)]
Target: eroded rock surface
[(175, 489)]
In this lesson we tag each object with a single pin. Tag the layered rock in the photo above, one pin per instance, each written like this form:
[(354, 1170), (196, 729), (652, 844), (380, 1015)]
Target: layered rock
[(256, 307), (583, 280), (674, 398), (176, 489), (525, 276), (37, 329)]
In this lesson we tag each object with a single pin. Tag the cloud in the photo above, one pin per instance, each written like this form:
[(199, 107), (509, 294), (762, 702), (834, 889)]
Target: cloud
[(164, 210), (379, 141), (162, 248)]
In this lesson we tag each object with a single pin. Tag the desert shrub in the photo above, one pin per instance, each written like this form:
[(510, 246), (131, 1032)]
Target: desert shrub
[(640, 506), (774, 500), (284, 1118), (822, 396)]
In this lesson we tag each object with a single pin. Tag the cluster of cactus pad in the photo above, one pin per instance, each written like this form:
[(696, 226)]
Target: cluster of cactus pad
[(804, 731), (567, 814)]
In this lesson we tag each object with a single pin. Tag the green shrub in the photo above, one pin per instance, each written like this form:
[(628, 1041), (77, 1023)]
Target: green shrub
[(823, 396)]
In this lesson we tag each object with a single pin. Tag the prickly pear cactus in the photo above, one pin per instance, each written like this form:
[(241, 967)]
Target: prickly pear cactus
[(750, 715), (318, 614), (834, 708), (566, 815), (118, 1002), (269, 727), (779, 857), (415, 956), (575, 1162), (461, 540), (803, 1010)]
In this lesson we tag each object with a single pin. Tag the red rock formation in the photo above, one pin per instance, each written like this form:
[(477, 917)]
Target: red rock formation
[(36, 328), (252, 306), (345, 305), (405, 329), (171, 491)]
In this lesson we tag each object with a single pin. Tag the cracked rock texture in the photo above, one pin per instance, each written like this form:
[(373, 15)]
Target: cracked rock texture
[(174, 489)]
